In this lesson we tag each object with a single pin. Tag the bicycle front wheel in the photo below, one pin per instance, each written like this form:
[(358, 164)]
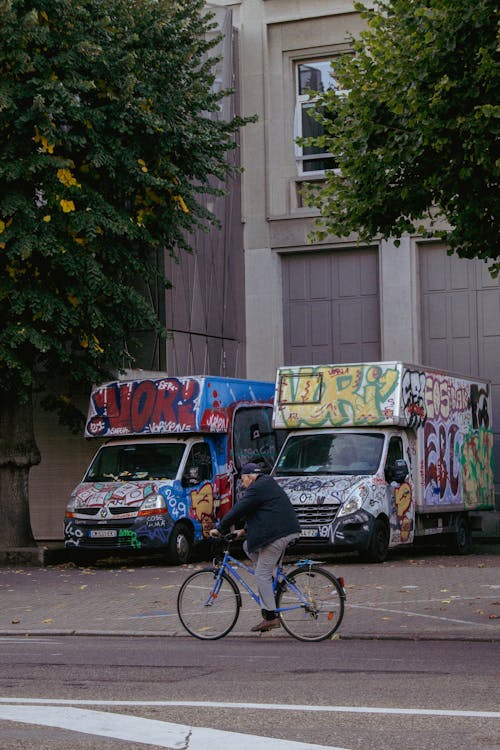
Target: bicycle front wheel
[(208, 605), (313, 602)]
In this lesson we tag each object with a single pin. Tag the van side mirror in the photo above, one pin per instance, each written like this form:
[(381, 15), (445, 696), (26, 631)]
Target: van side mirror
[(400, 470)]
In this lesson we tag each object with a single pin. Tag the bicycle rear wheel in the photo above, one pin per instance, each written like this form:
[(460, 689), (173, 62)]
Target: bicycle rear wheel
[(208, 606), (321, 600)]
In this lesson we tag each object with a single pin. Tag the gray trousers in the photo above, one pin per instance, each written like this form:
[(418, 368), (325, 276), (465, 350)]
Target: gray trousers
[(265, 561)]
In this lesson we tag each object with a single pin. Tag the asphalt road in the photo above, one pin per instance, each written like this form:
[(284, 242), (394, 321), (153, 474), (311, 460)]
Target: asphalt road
[(382, 695)]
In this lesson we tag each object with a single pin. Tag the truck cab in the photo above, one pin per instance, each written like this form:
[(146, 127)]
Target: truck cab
[(169, 467), (345, 486)]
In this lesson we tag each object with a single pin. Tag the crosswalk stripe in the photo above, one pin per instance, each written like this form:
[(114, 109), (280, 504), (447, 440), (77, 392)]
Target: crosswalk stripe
[(147, 731)]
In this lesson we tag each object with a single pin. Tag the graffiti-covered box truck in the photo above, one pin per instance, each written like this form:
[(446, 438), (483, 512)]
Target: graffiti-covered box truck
[(170, 464), (381, 453)]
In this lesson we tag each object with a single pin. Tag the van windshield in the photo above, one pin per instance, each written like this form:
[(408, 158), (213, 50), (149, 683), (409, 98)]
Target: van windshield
[(124, 463), (331, 453)]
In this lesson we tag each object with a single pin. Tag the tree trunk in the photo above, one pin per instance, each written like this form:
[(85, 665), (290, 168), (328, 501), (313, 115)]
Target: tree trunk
[(18, 453)]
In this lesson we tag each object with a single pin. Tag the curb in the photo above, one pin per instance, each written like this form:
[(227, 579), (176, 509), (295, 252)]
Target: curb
[(182, 634)]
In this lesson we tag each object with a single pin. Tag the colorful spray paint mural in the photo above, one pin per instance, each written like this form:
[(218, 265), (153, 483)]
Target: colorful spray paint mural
[(336, 396), (167, 405), (457, 443), (451, 416), (168, 471)]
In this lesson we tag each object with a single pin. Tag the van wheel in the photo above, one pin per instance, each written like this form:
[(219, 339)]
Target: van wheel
[(462, 538), (376, 552), (180, 544)]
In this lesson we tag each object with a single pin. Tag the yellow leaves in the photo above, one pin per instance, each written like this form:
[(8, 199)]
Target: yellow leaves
[(180, 202), (67, 206), (67, 179), (80, 240), (73, 300), (47, 218), (97, 346), (142, 164), (3, 227), (46, 147), (43, 15), (85, 342), (146, 105)]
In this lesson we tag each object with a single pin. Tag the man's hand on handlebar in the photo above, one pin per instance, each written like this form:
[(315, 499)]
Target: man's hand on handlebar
[(216, 534)]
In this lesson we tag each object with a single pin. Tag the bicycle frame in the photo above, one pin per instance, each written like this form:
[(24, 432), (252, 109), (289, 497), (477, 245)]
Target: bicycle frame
[(229, 564)]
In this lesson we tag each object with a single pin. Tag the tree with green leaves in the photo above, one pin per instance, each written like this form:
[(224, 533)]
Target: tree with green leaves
[(110, 132), (415, 134)]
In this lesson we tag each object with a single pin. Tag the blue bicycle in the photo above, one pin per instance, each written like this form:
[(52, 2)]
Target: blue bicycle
[(309, 599)]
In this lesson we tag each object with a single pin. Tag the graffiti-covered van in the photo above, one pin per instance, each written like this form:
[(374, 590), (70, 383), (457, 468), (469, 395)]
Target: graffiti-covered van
[(168, 469), (381, 453)]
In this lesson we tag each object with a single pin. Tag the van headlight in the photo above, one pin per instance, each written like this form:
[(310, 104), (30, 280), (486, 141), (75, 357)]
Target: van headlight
[(153, 505), (351, 505)]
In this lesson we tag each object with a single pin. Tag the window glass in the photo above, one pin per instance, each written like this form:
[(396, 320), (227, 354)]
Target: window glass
[(331, 453), (198, 465), (313, 75), (253, 436), (394, 452), (136, 462)]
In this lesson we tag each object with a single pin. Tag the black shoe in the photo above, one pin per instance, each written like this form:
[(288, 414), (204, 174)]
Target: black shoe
[(265, 625)]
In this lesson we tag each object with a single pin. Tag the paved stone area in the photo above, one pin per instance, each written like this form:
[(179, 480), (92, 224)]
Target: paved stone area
[(414, 595)]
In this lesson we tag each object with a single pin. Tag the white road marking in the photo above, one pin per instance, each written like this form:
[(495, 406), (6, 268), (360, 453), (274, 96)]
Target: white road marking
[(146, 731), (261, 707)]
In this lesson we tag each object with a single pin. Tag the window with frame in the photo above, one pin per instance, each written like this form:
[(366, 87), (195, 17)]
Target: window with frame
[(312, 76)]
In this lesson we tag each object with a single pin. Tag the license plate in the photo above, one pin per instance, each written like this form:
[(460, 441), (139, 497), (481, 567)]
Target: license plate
[(100, 533), (309, 532)]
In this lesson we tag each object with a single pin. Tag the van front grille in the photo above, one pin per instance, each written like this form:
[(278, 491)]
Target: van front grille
[(316, 515)]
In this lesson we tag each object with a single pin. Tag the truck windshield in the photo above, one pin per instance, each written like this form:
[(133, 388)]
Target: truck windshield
[(331, 453), (123, 463)]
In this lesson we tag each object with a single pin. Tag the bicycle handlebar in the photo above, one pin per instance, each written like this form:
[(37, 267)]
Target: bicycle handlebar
[(229, 537)]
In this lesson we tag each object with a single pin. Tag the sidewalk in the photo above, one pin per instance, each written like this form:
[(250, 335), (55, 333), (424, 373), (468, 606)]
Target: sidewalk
[(414, 595)]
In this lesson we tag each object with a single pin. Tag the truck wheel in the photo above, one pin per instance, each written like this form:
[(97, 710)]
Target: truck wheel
[(462, 538), (180, 544), (376, 552)]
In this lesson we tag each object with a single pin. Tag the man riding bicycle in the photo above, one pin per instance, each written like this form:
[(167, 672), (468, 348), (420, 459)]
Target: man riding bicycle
[(271, 524)]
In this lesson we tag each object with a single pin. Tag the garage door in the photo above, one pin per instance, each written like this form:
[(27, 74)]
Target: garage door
[(331, 307), (461, 322)]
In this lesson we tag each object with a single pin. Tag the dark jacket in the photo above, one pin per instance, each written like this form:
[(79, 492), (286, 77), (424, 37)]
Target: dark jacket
[(268, 513)]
